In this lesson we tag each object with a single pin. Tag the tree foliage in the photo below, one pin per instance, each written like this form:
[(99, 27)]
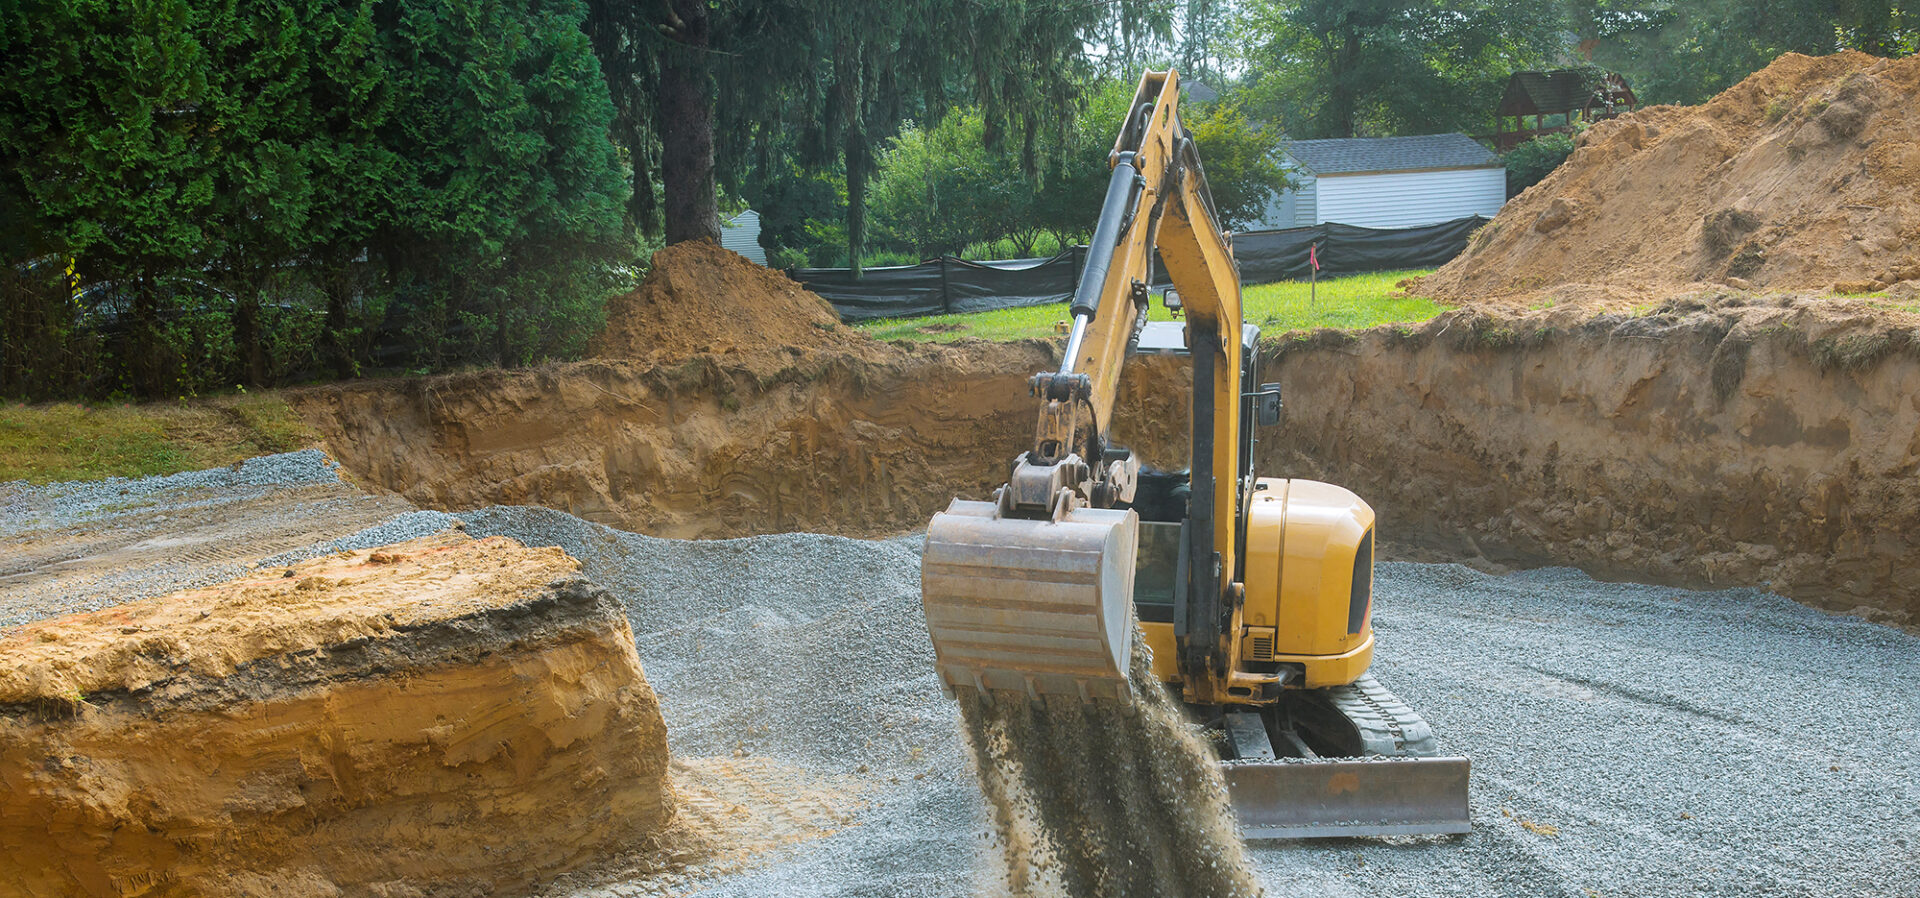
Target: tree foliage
[(1530, 163), (1685, 51), (1342, 68), (1347, 68), (823, 86), (247, 189), (1242, 160), (943, 188)]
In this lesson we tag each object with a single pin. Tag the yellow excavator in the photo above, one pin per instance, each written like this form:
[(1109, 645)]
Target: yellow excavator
[(1254, 594)]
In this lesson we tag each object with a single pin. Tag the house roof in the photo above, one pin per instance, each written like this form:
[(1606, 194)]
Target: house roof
[(1370, 154), (1199, 92)]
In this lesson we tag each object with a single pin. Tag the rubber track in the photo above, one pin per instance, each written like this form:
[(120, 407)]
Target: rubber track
[(1387, 726)]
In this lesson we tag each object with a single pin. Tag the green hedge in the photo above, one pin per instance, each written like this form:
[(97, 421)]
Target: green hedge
[(252, 191)]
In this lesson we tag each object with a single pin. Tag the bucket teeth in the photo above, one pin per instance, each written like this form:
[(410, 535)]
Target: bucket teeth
[(1039, 607)]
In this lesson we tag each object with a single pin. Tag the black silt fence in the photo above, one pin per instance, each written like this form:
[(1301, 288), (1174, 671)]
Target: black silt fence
[(1268, 256), (948, 285)]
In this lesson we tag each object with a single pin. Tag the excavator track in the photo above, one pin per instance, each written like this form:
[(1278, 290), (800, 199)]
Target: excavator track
[(1382, 725)]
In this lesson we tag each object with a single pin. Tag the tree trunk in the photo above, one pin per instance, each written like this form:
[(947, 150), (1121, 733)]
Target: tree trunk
[(853, 143), (686, 128), (1343, 103), (856, 201), (246, 340)]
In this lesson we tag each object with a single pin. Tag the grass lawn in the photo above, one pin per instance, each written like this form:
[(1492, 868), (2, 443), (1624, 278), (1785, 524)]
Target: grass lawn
[(1359, 301), (66, 441)]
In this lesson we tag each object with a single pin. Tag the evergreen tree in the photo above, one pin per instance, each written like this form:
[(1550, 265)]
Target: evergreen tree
[(434, 170)]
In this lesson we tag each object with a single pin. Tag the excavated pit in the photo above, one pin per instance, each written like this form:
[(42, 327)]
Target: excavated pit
[(446, 716), (1706, 443)]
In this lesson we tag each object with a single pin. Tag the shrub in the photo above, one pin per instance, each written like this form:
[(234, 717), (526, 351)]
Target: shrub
[(1530, 163)]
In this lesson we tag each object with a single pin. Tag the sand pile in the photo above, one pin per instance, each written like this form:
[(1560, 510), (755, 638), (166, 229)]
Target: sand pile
[(1100, 800), (442, 716), (1803, 177), (699, 298)]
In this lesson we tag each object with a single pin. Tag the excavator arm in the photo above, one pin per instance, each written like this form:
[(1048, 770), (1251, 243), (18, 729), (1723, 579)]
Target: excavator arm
[(1261, 613), (1055, 506)]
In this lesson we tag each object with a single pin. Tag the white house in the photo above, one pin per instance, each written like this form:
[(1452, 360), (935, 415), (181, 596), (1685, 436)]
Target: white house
[(741, 234), (1388, 182)]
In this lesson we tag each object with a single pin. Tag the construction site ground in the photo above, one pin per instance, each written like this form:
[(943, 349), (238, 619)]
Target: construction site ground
[(1626, 739), (1667, 397)]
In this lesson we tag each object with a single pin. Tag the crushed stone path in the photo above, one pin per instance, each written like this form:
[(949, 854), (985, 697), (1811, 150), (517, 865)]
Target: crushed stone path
[(1627, 740), (82, 546)]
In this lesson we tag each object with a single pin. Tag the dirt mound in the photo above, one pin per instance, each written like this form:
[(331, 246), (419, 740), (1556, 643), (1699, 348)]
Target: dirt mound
[(700, 298), (443, 716), (1805, 176)]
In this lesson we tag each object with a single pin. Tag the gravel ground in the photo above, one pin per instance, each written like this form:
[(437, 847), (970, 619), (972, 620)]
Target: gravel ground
[(83, 546), (1626, 739)]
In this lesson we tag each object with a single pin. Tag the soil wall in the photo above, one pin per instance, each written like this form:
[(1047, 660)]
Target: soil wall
[(865, 443), (443, 717), (1737, 446), (1699, 444)]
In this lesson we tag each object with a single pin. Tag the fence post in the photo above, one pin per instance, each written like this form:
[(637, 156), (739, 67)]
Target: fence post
[(946, 296)]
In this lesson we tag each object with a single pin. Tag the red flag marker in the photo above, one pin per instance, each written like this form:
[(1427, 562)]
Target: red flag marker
[(1313, 255)]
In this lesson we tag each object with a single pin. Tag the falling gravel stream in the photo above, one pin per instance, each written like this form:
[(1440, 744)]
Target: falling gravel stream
[(1105, 799)]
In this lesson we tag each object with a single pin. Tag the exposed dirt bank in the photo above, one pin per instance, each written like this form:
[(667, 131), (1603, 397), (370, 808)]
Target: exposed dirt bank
[(1805, 176), (1709, 444), (857, 444), (445, 716), (1699, 446)]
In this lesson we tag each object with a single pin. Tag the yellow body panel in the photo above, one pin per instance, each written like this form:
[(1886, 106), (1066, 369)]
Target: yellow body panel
[(1160, 639), (1306, 541), (1302, 538), (1333, 670)]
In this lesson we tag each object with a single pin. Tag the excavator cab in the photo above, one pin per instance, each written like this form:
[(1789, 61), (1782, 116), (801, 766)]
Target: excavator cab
[(1254, 595)]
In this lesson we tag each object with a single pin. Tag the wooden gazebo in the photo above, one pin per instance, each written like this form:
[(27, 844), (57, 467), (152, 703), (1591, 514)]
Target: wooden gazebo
[(1571, 96)]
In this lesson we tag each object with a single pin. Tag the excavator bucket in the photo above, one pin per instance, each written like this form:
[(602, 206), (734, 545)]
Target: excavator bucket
[(1034, 606)]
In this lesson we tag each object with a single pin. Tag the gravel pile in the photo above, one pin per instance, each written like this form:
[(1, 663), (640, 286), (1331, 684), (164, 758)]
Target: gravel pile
[(808, 649), (1626, 739)]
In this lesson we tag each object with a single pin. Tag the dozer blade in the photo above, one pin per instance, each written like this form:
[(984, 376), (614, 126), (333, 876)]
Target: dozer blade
[(1034, 606), (1303, 799)]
